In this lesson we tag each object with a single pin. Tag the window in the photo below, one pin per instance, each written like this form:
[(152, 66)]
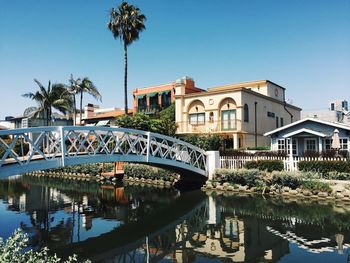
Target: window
[(282, 122), (310, 145), (197, 118), (327, 144), (332, 106), (294, 147), (246, 113), (277, 122), (228, 120), (281, 145), (344, 105), (211, 117), (343, 144)]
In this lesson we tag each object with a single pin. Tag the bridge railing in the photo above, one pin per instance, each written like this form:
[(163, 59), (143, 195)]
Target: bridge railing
[(22, 146)]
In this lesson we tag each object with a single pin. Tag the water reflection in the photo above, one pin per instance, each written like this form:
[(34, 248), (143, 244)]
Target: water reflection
[(134, 224)]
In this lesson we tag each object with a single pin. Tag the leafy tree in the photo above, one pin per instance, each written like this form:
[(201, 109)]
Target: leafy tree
[(126, 23), (14, 250), (52, 97), (165, 124), (81, 86), (211, 142)]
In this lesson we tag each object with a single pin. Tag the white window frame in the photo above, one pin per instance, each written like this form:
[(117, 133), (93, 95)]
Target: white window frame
[(310, 139), (342, 143), (294, 149), (281, 145)]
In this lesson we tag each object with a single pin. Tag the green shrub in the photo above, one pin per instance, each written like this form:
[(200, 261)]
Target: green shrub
[(14, 250), (148, 172), (324, 167), (337, 176), (316, 186), (286, 179), (205, 142), (265, 165), (238, 176)]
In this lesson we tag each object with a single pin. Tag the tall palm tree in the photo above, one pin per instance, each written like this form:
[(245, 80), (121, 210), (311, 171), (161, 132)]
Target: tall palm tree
[(126, 22), (81, 86), (48, 99)]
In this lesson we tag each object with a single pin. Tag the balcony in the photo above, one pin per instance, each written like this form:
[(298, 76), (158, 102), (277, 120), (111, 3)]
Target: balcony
[(148, 109), (209, 127)]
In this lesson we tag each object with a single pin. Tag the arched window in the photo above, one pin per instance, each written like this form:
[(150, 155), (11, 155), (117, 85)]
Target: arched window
[(246, 113)]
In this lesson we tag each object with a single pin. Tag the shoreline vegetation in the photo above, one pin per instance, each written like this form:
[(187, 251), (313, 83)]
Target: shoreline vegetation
[(322, 180)]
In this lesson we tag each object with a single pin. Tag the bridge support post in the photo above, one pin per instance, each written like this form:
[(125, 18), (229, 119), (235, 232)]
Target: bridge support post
[(213, 162)]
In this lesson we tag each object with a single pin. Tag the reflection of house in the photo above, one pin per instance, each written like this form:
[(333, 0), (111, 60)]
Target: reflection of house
[(338, 111), (241, 113), (240, 240), (309, 134), (152, 99)]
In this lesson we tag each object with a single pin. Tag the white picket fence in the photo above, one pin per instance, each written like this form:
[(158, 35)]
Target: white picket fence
[(290, 164)]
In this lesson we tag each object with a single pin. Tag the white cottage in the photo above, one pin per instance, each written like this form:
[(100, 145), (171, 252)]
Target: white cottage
[(309, 135)]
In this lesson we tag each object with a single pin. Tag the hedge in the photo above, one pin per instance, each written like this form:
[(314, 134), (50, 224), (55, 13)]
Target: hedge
[(265, 165), (259, 179), (324, 167), (148, 172)]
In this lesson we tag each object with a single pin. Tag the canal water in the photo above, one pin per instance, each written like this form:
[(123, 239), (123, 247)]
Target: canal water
[(125, 223)]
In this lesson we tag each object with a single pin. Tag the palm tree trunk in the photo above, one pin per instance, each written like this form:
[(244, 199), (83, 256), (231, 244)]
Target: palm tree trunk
[(126, 78), (81, 105)]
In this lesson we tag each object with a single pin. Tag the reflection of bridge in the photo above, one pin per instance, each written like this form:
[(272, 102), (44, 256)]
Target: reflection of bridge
[(25, 150)]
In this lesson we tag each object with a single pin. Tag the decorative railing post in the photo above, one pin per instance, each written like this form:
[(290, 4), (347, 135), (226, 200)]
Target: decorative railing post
[(213, 162), (148, 145), (63, 145)]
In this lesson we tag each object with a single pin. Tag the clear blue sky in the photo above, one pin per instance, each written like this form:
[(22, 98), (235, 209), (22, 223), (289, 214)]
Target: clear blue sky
[(301, 45)]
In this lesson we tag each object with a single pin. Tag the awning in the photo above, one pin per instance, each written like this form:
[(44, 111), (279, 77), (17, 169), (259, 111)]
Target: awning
[(140, 96), (153, 94), (102, 123), (164, 92)]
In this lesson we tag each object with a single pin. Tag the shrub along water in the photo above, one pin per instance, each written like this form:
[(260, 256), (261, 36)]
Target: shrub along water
[(265, 165), (262, 179), (148, 172), (324, 167)]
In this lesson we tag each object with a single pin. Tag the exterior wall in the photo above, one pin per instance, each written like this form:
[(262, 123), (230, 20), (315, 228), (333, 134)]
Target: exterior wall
[(188, 83), (263, 106), (216, 100), (327, 115)]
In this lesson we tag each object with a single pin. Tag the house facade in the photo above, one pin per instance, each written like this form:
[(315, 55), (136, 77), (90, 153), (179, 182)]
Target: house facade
[(150, 100), (240, 113), (338, 111), (309, 135)]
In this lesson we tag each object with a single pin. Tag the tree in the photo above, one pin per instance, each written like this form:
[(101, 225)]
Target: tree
[(52, 97), (126, 23), (81, 86)]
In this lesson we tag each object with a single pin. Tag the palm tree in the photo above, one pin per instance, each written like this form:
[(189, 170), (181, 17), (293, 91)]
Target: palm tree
[(126, 22), (81, 86), (48, 99)]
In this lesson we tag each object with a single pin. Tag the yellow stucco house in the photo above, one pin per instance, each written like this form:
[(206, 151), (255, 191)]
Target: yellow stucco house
[(241, 113)]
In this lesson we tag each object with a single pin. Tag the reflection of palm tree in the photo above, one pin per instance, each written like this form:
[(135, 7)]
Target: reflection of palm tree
[(48, 99)]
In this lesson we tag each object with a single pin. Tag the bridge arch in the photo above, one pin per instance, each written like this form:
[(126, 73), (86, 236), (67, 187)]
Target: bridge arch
[(43, 148)]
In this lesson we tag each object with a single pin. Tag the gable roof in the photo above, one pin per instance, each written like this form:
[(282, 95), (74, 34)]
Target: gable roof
[(333, 124), (304, 130)]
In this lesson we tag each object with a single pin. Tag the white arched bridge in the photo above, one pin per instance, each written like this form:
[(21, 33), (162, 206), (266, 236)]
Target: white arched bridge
[(40, 148)]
